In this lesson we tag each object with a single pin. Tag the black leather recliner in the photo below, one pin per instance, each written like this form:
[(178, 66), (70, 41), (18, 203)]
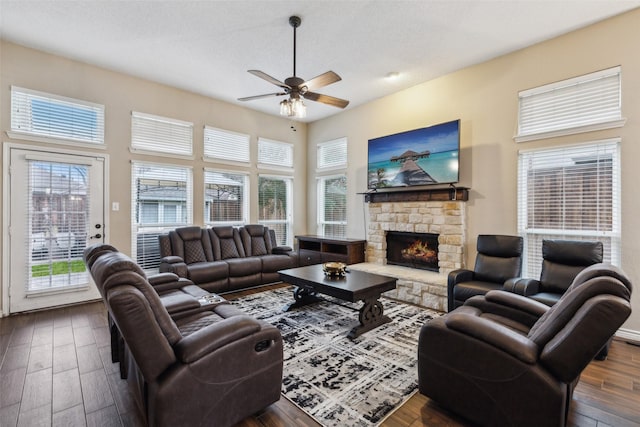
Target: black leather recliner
[(499, 259), (562, 260), (506, 360)]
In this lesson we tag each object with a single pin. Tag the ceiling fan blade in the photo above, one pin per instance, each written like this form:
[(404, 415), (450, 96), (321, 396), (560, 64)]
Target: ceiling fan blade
[(321, 80), (270, 79), (268, 95), (326, 99)]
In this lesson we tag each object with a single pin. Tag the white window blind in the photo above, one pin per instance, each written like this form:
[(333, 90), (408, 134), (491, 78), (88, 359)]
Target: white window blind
[(161, 200), (57, 213), (275, 153), (226, 145), (332, 206), (332, 154), (572, 193), (160, 134), (584, 103), (275, 206), (225, 198), (52, 116)]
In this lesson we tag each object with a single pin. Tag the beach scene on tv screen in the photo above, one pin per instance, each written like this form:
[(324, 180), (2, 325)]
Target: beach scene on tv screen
[(418, 157)]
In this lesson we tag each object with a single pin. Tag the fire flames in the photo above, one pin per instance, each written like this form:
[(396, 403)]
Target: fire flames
[(420, 251)]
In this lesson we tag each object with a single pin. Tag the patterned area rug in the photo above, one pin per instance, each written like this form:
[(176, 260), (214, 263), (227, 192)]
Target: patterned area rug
[(336, 380)]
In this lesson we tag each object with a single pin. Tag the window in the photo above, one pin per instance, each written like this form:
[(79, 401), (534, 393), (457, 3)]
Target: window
[(161, 201), (41, 114), (332, 190), (332, 206), (157, 134), (332, 154), (275, 153), (225, 198), (581, 104), (226, 145), (570, 192), (275, 206)]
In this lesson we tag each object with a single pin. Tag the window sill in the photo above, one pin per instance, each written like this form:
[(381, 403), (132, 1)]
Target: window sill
[(572, 131), (26, 136)]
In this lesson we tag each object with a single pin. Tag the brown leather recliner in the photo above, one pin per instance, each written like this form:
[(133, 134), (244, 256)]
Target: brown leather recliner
[(499, 258), (504, 359), (212, 368)]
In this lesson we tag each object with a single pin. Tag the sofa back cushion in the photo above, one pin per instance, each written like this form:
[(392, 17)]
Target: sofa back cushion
[(192, 244), (226, 243), (255, 239)]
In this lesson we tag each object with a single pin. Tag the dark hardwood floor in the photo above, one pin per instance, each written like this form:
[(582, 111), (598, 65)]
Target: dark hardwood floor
[(55, 369)]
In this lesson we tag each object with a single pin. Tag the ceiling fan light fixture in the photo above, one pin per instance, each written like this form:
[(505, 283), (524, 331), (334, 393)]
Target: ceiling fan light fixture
[(293, 107)]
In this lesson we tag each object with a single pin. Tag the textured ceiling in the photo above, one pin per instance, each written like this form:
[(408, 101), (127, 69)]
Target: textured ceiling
[(207, 46)]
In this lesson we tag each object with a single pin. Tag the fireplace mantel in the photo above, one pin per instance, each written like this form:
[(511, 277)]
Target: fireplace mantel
[(422, 195)]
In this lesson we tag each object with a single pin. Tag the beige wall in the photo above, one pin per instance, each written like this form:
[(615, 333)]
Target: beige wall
[(121, 94), (484, 98)]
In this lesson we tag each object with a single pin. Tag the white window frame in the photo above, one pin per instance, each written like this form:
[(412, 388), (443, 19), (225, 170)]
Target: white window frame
[(23, 126), (245, 201), (581, 104), (161, 136), (275, 155), (331, 157), (322, 221), (288, 221), (161, 227), (532, 256), (225, 146)]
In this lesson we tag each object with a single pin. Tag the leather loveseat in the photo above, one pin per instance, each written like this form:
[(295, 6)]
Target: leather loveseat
[(213, 367), (224, 259)]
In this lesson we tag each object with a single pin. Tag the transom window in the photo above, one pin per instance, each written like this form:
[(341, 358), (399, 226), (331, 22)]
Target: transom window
[(585, 103), (43, 114), (160, 135)]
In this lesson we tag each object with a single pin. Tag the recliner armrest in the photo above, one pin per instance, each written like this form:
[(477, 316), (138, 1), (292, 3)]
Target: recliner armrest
[(460, 275), (526, 287), (494, 334), (282, 250), (518, 302), (173, 264), (215, 336)]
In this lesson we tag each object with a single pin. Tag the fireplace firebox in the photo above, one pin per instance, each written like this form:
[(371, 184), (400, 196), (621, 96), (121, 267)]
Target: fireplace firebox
[(417, 250)]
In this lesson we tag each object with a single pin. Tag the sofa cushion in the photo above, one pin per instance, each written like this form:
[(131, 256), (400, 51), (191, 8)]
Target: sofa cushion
[(239, 267), (273, 263), (204, 272)]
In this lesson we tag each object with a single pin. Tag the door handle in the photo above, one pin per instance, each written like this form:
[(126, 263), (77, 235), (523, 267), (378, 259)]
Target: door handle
[(97, 236)]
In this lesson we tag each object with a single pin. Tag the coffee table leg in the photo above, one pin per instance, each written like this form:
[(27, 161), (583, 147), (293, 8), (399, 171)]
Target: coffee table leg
[(371, 316), (303, 296)]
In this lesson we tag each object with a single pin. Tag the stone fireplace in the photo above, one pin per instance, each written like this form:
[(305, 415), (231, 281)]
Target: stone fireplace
[(446, 219)]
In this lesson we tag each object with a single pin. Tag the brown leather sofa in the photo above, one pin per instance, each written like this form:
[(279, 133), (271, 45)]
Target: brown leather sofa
[(499, 258), (213, 367), (508, 360), (224, 259)]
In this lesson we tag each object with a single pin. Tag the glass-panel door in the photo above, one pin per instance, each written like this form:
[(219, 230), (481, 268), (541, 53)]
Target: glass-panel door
[(57, 209)]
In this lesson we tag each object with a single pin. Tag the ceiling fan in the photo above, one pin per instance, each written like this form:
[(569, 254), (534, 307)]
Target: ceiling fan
[(298, 88)]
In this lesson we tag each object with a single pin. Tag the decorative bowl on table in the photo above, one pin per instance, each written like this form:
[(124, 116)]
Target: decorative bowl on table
[(334, 269)]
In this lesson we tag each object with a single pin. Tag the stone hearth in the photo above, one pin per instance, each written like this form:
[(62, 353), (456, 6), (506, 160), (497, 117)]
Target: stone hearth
[(447, 219)]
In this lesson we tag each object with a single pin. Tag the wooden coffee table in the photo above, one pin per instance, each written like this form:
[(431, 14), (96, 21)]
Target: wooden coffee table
[(354, 286)]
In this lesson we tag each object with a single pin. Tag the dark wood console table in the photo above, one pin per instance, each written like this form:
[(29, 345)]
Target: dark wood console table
[(318, 249)]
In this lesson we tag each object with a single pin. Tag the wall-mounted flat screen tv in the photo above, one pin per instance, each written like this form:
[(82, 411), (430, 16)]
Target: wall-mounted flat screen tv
[(425, 156)]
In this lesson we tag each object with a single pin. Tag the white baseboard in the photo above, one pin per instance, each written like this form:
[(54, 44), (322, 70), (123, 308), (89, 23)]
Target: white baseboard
[(628, 335)]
